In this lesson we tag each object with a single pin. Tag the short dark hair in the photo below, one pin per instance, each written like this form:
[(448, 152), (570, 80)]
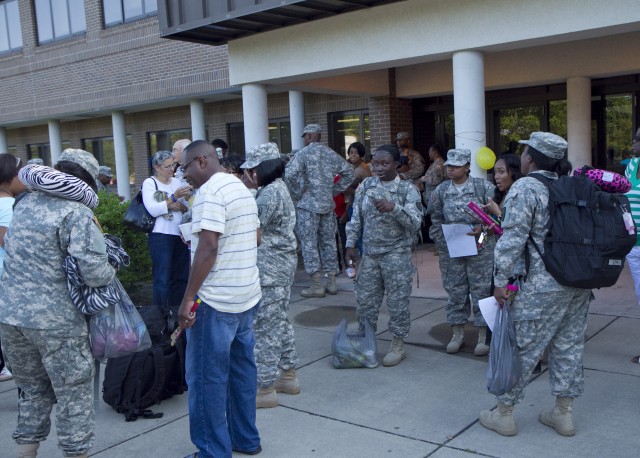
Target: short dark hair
[(437, 147), (393, 150), (559, 166), (9, 166), (233, 162), (270, 170), (219, 143), (75, 169), (359, 148)]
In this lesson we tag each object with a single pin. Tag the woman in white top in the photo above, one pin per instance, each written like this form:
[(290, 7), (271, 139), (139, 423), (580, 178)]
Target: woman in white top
[(10, 187), (164, 197)]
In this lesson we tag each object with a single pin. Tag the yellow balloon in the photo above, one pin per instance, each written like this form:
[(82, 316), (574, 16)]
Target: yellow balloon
[(485, 158)]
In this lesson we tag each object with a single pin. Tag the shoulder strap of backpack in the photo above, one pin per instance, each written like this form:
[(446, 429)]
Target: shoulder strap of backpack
[(151, 396), (527, 256)]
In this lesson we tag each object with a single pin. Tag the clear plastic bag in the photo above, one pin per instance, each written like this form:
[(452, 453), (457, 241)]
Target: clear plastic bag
[(354, 350), (118, 330), (504, 369)]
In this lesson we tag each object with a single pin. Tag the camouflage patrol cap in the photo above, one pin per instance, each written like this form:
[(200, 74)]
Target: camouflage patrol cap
[(36, 160), (551, 145), (458, 157), (311, 129), (403, 136), (257, 154), (106, 171), (83, 158)]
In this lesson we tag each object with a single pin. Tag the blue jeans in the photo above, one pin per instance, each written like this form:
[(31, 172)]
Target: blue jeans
[(170, 261), (222, 380)]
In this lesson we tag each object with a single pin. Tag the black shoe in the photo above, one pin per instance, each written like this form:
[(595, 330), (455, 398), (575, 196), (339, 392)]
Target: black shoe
[(249, 452)]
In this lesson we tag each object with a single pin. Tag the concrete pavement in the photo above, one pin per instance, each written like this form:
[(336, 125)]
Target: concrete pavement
[(426, 406)]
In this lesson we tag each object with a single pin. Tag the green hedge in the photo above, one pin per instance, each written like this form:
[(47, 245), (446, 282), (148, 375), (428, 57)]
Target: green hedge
[(110, 212)]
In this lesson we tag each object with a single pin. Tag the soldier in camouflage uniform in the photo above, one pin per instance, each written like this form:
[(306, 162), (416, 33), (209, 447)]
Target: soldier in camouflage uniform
[(275, 348), (468, 275), (414, 168), (44, 336), (387, 212), (545, 313), (310, 178)]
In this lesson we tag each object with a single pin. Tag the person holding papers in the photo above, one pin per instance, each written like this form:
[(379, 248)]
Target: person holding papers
[(466, 269)]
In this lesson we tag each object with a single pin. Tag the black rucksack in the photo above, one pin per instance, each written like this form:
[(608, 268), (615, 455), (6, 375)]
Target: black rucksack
[(587, 240), (134, 382)]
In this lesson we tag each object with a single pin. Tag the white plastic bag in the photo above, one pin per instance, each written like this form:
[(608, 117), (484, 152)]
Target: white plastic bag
[(354, 350)]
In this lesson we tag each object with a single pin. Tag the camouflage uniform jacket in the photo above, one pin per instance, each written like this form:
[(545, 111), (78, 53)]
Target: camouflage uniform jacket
[(416, 166), (384, 232), (277, 258), (526, 212), (33, 290), (448, 206), (310, 174)]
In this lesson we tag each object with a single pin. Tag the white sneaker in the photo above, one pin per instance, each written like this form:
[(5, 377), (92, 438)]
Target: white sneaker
[(5, 375)]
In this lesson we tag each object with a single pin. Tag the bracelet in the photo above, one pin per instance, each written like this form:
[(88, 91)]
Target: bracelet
[(173, 198)]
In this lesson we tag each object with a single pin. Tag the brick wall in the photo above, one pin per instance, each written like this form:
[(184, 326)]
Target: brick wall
[(105, 68)]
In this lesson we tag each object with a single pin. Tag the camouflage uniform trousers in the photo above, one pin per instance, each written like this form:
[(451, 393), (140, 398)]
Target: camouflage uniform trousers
[(317, 234), (560, 327), (275, 347), (391, 273), (464, 276), (52, 367)]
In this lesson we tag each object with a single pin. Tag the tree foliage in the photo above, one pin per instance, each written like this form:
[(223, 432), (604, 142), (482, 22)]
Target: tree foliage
[(110, 212)]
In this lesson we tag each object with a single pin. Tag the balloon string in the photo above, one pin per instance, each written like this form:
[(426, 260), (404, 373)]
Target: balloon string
[(463, 136)]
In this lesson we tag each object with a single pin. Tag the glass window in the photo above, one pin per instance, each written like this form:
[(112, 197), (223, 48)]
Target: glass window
[(103, 150), (236, 138), (43, 151), (59, 19), (119, 11), (618, 129), (10, 31), (164, 140), (348, 127), (280, 134), (558, 117), (517, 124)]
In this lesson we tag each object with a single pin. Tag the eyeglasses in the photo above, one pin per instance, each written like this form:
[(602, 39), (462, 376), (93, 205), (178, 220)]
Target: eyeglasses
[(169, 167), (183, 168)]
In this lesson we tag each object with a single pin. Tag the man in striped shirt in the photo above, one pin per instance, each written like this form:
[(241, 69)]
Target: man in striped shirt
[(221, 371)]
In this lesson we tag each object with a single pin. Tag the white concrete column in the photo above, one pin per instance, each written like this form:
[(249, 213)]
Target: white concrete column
[(120, 151), (579, 121), (255, 114), (198, 129), (55, 140), (468, 105), (4, 143), (296, 118)]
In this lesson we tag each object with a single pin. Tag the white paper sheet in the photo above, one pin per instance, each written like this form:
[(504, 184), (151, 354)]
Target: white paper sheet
[(489, 310), (458, 242), (185, 229)]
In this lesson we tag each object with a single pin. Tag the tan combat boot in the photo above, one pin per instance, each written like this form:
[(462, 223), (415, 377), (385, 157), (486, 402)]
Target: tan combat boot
[(396, 352), (560, 417), (457, 339), (316, 289), (331, 283), (481, 347), (28, 450), (288, 382), (499, 420), (266, 398)]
